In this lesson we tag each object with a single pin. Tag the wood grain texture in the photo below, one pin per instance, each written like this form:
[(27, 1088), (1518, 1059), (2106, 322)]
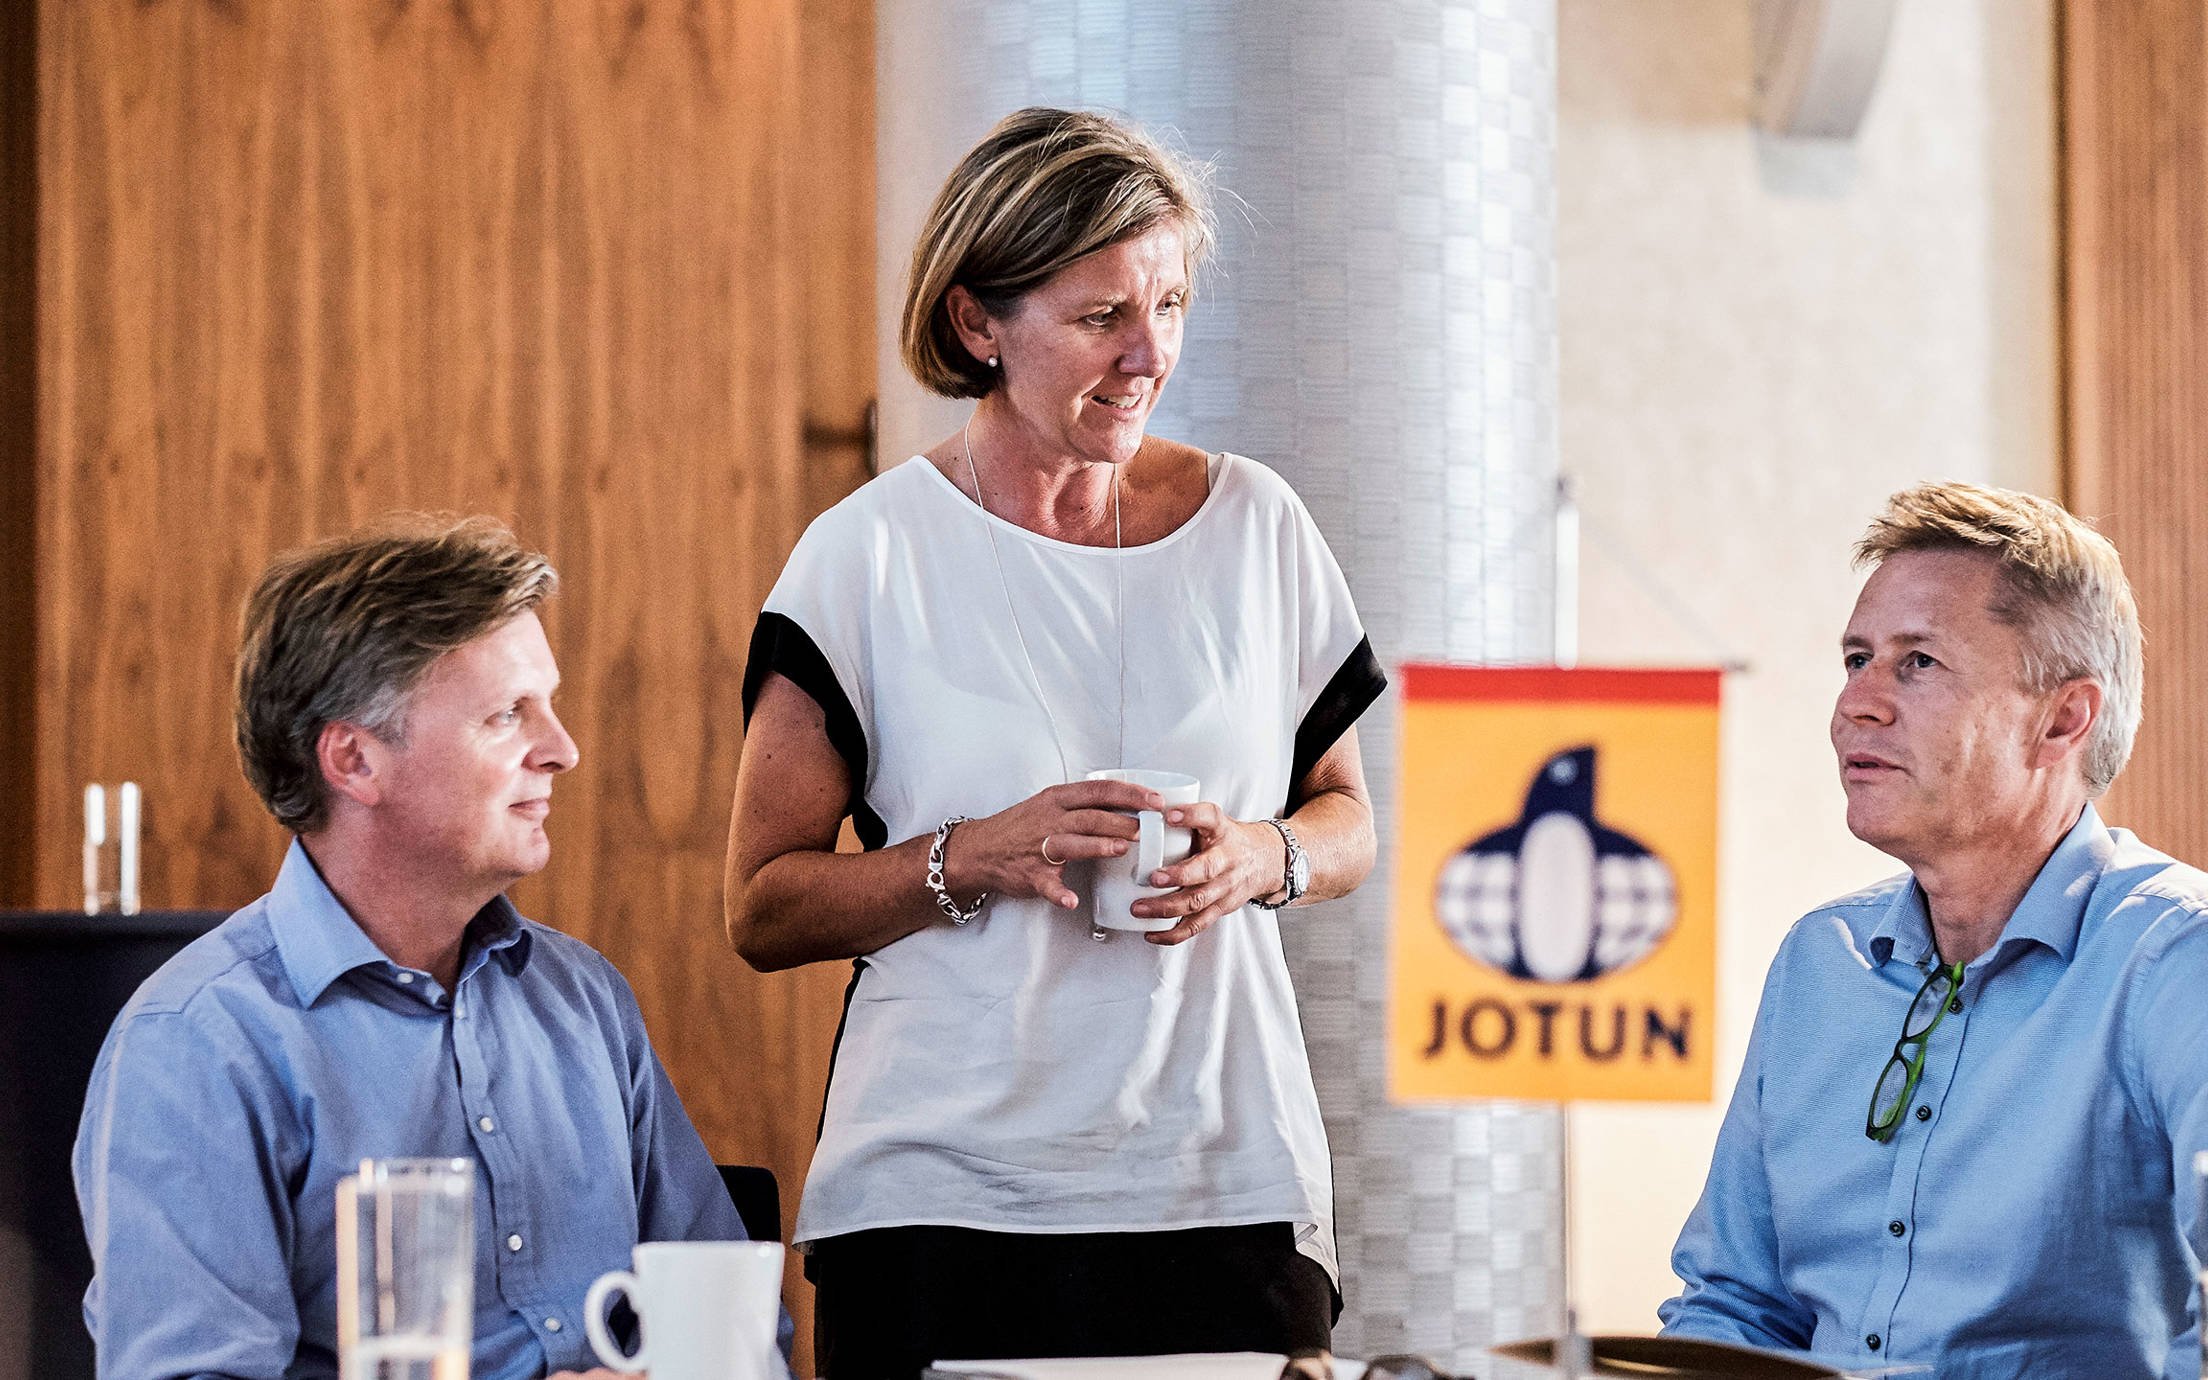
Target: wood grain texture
[(18, 444), (590, 265), (2134, 101)]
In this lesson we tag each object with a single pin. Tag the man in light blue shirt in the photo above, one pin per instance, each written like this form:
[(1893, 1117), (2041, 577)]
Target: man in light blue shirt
[(2030, 1001), (384, 999)]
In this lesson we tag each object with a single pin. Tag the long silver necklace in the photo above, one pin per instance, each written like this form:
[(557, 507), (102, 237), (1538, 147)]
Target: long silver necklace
[(1119, 613)]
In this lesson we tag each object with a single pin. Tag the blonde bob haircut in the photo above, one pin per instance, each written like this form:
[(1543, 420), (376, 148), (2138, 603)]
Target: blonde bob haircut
[(2062, 589), (1044, 188)]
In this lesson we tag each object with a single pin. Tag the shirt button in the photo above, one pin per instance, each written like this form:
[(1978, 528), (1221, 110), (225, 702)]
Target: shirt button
[(551, 1324), (1924, 1113), (513, 1243), (486, 1123), (1896, 1227), (1871, 1341), (1954, 1004), (406, 979)]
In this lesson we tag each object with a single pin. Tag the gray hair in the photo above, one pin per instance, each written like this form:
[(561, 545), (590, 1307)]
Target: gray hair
[(2063, 590)]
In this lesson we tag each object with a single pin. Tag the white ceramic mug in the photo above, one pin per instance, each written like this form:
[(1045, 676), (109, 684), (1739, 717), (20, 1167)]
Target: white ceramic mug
[(708, 1310), (1123, 880)]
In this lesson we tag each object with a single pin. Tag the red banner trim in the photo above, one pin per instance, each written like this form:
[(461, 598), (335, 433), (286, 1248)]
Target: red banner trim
[(1551, 684)]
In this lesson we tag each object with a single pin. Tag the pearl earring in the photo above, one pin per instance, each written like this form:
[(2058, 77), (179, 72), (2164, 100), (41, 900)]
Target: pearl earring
[(992, 361)]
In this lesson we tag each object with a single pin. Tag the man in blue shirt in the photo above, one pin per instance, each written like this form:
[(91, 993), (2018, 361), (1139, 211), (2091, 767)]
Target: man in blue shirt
[(384, 999), (2029, 1001)]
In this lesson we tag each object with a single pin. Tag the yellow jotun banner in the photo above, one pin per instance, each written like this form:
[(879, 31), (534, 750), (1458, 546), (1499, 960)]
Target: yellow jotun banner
[(1556, 876)]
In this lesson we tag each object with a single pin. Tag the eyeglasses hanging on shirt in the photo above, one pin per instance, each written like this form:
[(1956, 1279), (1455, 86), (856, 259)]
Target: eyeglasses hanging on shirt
[(1897, 1082)]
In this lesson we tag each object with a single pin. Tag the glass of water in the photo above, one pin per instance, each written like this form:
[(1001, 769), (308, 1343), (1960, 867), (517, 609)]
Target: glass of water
[(111, 849), (406, 1270), (2200, 1204)]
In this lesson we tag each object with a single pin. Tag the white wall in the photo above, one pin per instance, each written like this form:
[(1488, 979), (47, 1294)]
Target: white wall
[(1746, 372)]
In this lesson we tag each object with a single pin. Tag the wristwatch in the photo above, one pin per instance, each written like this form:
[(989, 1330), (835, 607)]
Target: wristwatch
[(1297, 875)]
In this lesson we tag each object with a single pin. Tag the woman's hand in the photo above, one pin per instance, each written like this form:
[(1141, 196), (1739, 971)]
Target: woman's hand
[(1005, 855), (1231, 863)]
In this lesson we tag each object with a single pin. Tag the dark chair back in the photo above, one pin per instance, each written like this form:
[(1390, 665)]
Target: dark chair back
[(758, 1200), (63, 976)]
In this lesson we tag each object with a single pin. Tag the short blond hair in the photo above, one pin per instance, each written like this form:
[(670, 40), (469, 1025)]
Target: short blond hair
[(1044, 188), (2063, 590), (344, 630)]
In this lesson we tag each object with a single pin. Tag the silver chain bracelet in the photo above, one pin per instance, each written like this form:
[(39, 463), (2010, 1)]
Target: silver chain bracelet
[(935, 875)]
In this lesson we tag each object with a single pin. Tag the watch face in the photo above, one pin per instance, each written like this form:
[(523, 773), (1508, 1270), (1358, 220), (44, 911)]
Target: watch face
[(1299, 868)]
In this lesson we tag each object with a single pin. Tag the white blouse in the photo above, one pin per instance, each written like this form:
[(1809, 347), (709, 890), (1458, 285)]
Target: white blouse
[(1015, 1074)]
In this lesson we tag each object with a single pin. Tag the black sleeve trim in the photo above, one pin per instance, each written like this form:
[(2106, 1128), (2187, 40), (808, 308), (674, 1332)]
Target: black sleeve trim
[(780, 647), (1349, 694)]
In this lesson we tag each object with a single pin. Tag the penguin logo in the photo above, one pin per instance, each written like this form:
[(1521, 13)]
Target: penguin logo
[(1557, 897)]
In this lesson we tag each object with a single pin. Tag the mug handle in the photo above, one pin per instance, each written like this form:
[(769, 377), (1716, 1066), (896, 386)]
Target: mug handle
[(594, 1321), (1149, 845)]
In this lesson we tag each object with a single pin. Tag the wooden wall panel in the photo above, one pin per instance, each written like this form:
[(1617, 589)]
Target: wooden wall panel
[(2134, 105), (601, 267), (18, 443)]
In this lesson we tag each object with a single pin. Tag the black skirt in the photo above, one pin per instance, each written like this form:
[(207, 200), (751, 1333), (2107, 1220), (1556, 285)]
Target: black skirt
[(890, 1302)]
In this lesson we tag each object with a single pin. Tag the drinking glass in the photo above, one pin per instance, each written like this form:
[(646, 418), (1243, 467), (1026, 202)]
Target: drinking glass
[(2200, 1204), (406, 1270), (111, 849)]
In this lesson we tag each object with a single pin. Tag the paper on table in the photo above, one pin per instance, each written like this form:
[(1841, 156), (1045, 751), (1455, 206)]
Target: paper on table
[(1231, 1365)]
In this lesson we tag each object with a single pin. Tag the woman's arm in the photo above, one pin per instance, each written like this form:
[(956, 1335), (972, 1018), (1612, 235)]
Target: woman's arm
[(791, 898), (1236, 862)]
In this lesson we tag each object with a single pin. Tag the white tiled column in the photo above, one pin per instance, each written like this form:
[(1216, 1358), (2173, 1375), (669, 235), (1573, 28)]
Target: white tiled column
[(1381, 328)]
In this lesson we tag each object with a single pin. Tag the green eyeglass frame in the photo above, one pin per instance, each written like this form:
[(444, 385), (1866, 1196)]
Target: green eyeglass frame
[(1944, 984)]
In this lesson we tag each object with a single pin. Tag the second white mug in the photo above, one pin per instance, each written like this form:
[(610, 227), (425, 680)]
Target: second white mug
[(1123, 880), (708, 1310)]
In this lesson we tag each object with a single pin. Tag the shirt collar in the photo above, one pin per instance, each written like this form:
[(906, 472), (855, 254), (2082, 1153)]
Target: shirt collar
[(319, 941), (2051, 913), (497, 929)]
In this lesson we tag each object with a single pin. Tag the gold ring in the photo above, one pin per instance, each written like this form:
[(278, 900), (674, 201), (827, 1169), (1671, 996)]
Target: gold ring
[(1054, 862)]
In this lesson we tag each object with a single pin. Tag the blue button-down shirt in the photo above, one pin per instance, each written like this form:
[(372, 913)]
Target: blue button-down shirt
[(263, 1062), (2036, 1212)]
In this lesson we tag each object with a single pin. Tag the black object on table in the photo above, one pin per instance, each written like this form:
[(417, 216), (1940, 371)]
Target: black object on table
[(63, 977)]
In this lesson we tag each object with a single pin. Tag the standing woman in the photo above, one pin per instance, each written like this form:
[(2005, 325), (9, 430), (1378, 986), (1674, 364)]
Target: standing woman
[(1042, 1138)]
